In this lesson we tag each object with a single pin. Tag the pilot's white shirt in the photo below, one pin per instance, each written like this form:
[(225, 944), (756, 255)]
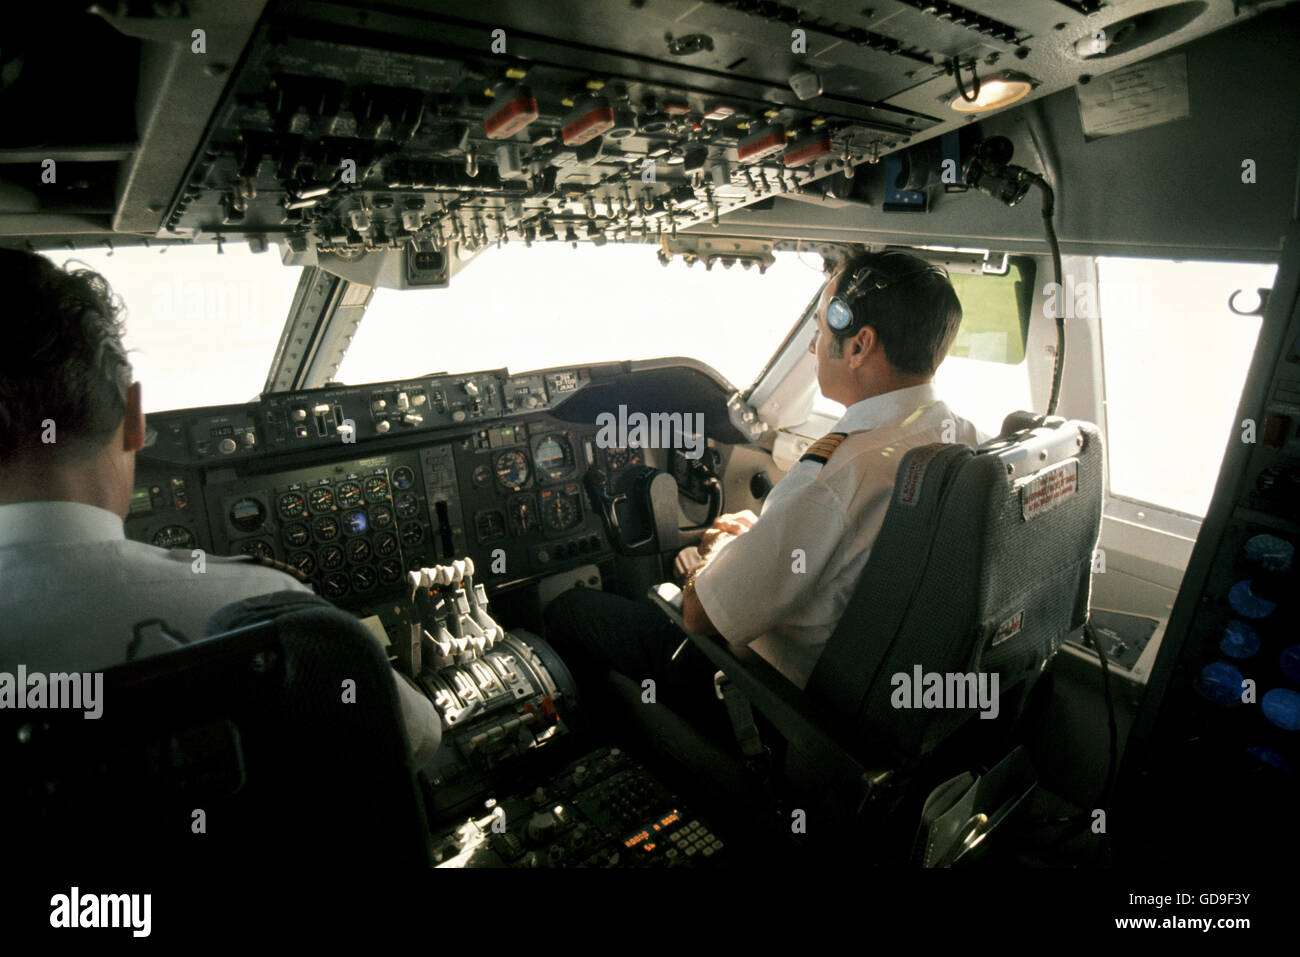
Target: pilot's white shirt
[(65, 565), (783, 585)]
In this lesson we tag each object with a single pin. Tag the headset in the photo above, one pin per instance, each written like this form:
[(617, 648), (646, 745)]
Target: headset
[(839, 312)]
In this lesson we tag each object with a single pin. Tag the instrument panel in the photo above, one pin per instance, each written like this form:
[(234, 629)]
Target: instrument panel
[(353, 486), (510, 496)]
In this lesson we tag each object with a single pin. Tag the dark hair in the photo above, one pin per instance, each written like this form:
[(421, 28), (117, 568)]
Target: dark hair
[(916, 316), (61, 357)]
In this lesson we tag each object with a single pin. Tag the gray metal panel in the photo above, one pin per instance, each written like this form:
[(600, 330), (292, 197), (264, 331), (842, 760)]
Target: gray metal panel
[(1173, 190)]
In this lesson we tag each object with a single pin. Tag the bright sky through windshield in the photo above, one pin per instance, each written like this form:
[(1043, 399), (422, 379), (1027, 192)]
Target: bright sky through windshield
[(554, 305)]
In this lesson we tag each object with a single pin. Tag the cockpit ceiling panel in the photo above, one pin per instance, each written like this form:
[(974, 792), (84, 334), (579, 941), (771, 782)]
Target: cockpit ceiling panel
[(436, 127)]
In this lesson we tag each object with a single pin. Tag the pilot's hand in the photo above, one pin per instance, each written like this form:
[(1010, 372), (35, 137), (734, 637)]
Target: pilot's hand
[(725, 529), (688, 559)]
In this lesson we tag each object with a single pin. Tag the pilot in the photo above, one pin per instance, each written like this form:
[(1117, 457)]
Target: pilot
[(780, 581), (70, 425)]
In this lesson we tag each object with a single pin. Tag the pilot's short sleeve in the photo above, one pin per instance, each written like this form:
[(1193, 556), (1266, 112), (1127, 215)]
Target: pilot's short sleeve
[(423, 726), (757, 579)]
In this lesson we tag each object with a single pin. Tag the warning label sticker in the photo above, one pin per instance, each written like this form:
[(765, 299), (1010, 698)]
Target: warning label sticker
[(909, 487), (1009, 628), (1044, 492), (1135, 97)]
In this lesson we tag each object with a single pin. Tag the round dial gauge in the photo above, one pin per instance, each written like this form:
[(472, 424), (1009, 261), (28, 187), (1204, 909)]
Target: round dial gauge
[(174, 536), (621, 458), (386, 544), (482, 476), (412, 534), (511, 468), (490, 525), (554, 457), (292, 505), (295, 535), (406, 505), (321, 499), (349, 495), (258, 548), (325, 528), (364, 578), (331, 557), (376, 489), (335, 586), (247, 514), (305, 562), (390, 571), (359, 550), (560, 513), (381, 516), (403, 478), (354, 522)]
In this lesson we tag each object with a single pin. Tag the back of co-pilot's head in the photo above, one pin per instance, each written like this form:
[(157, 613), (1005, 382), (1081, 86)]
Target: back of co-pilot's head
[(64, 374)]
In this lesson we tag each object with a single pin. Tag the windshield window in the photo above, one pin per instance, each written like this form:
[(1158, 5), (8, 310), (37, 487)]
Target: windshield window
[(553, 305), (201, 327)]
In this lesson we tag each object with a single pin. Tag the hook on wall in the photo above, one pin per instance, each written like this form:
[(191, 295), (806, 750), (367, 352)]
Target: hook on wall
[(1258, 310)]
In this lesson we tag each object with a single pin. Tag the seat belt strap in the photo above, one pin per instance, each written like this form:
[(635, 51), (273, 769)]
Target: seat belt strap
[(741, 714)]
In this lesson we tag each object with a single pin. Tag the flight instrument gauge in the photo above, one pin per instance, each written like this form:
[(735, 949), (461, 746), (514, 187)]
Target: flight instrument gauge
[(292, 505), (295, 534), (349, 495), (376, 489), (321, 499), (511, 468), (335, 586), (560, 511), (174, 536), (403, 478), (407, 505), (554, 457), (247, 514), (620, 458), (331, 558), (325, 528), (258, 548)]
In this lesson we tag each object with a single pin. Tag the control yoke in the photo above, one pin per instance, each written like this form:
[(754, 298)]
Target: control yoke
[(647, 521)]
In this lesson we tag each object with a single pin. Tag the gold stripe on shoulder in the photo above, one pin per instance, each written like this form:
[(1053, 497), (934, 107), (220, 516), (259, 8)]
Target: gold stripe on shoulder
[(821, 450), (280, 567)]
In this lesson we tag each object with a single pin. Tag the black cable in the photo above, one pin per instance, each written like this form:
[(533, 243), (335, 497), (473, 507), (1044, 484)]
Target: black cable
[(1049, 208), (1112, 762), (1112, 727)]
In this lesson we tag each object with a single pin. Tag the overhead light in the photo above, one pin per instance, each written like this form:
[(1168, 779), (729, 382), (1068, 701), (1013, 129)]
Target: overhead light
[(995, 91)]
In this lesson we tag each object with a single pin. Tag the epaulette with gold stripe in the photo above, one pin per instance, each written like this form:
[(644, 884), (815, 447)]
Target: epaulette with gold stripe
[(279, 567), (821, 450)]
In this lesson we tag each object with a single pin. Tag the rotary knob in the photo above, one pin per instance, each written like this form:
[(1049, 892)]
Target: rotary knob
[(226, 446), (541, 827)]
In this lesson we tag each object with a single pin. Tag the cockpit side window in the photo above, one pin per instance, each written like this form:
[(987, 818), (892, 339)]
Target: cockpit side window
[(1175, 359), (200, 326)]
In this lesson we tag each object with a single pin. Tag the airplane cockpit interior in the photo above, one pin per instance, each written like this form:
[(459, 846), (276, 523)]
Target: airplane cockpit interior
[(481, 331)]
